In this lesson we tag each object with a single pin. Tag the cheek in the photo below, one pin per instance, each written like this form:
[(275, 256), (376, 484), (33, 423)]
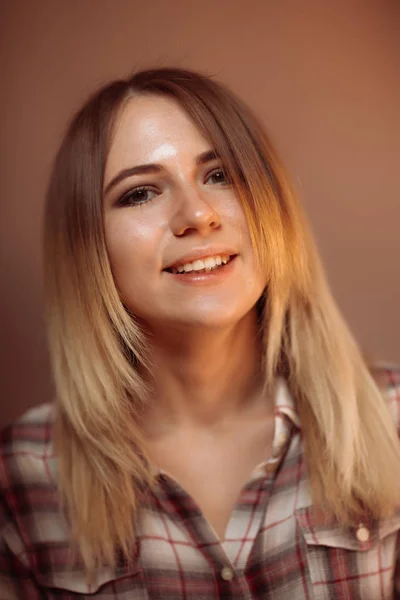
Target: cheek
[(133, 249), (235, 218)]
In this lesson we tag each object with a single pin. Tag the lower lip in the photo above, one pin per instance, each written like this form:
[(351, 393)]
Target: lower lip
[(205, 277)]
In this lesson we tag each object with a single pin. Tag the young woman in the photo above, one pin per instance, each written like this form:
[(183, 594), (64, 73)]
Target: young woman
[(216, 432)]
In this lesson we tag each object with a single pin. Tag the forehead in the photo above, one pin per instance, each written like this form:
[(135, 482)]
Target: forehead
[(147, 126)]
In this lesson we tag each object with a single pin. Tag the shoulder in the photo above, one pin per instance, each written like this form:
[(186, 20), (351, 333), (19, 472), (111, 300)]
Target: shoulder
[(29, 436), (387, 377), (33, 529), (27, 463)]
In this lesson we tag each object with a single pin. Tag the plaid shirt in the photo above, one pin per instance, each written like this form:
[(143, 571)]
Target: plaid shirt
[(277, 546)]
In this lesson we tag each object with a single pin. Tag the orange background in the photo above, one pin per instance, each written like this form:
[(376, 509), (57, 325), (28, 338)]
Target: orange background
[(324, 76)]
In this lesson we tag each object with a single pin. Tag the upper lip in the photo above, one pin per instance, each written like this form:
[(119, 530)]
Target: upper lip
[(201, 253)]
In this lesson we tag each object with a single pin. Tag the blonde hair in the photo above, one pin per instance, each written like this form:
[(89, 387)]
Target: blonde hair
[(98, 352)]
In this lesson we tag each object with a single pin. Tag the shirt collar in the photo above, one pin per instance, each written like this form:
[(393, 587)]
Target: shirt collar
[(284, 402)]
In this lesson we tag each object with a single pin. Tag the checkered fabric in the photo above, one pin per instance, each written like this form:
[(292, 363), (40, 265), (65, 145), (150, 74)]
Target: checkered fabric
[(277, 546)]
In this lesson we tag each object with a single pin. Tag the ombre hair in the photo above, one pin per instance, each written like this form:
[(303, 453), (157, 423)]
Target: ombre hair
[(98, 352)]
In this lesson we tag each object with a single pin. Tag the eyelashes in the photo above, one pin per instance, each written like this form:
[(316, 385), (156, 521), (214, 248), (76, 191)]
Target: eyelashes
[(219, 171), (143, 193), (136, 196)]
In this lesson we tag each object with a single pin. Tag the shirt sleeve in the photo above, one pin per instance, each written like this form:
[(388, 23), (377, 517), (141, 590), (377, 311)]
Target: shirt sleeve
[(16, 581)]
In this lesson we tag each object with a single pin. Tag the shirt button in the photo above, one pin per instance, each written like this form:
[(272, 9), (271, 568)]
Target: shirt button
[(227, 574), (362, 534)]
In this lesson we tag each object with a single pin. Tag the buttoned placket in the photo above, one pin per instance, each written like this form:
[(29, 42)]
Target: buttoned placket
[(229, 561), (228, 565)]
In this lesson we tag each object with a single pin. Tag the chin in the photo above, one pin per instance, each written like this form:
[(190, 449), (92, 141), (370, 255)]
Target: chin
[(212, 319)]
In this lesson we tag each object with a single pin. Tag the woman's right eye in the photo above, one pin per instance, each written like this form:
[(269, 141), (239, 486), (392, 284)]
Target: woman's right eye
[(139, 195)]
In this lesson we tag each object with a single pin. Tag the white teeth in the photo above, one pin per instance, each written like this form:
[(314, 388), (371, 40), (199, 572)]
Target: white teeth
[(207, 264), (197, 265), (210, 263)]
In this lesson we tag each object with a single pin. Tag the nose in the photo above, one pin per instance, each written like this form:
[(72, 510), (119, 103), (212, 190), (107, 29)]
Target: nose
[(194, 213)]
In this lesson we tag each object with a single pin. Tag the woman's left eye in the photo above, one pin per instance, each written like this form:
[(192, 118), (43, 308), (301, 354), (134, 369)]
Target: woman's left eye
[(219, 177)]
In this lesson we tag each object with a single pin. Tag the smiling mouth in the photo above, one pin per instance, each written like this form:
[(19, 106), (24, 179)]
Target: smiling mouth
[(205, 265)]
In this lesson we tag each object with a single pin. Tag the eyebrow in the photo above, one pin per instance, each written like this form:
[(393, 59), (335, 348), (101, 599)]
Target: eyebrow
[(201, 159)]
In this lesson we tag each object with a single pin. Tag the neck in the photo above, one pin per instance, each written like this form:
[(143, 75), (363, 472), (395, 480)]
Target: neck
[(205, 377)]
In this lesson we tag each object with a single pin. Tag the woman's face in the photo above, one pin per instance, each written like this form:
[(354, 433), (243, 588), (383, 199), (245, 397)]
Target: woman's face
[(172, 222)]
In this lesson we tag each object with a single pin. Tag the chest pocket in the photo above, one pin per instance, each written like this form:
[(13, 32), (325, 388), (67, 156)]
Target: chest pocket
[(343, 562), (62, 582)]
